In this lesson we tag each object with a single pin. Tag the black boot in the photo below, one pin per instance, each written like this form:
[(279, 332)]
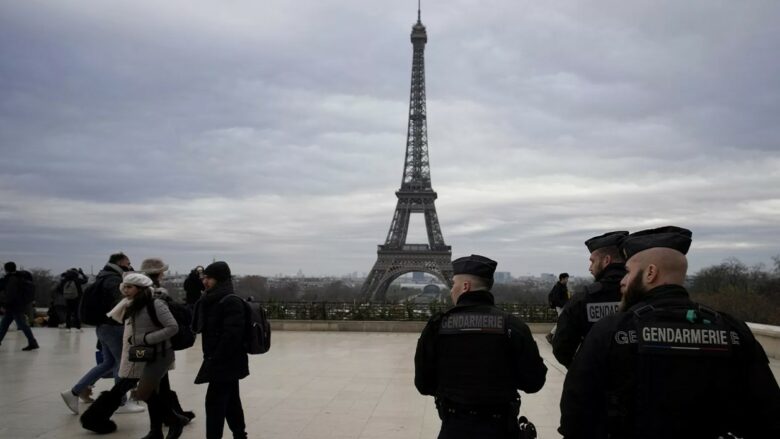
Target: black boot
[(177, 408), (31, 346), (176, 418), (97, 418), (175, 429)]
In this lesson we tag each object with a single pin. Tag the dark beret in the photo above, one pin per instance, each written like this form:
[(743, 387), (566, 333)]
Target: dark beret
[(672, 237), (609, 239), (475, 265)]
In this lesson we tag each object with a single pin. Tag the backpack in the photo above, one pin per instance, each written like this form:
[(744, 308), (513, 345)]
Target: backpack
[(257, 331), (26, 287), (95, 303), (70, 290), (185, 337), (551, 298)]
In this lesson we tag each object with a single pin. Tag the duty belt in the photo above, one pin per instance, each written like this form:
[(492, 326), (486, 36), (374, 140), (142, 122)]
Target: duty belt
[(488, 412)]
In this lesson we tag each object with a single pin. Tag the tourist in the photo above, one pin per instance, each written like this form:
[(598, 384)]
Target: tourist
[(220, 318)]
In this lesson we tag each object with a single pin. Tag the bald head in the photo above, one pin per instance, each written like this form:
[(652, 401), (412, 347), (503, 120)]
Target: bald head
[(662, 266)]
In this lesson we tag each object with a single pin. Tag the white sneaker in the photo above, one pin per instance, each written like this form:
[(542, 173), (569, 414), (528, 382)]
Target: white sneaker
[(71, 400), (130, 407)]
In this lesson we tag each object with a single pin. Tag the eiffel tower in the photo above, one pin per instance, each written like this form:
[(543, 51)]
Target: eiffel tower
[(416, 195)]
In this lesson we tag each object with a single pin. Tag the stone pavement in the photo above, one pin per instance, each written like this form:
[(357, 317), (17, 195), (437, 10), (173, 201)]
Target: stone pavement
[(310, 385)]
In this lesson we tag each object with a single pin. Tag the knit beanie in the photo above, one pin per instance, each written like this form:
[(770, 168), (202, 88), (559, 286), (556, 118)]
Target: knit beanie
[(218, 270)]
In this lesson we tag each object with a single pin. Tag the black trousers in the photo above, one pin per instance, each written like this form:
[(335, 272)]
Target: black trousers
[(223, 403), (72, 313)]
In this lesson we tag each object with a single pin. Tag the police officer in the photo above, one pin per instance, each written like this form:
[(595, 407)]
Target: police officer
[(667, 367), (599, 299), (474, 357)]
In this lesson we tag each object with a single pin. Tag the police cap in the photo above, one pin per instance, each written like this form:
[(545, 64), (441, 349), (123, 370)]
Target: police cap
[(672, 237), (609, 239), (475, 265)]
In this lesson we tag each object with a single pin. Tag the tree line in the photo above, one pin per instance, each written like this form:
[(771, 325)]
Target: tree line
[(750, 293)]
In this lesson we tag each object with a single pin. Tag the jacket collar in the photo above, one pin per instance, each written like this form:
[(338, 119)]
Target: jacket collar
[(663, 294), (216, 294), (479, 297), (615, 270)]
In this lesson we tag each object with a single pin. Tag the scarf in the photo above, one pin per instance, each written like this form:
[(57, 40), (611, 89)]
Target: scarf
[(118, 312)]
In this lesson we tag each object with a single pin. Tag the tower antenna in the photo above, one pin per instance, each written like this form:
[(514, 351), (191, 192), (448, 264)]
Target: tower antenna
[(418, 11)]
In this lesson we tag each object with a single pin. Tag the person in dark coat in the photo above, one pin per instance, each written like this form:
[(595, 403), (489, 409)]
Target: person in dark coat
[(220, 319), (475, 357), (17, 286), (70, 286), (664, 366), (559, 295), (594, 301), (193, 286), (109, 335)]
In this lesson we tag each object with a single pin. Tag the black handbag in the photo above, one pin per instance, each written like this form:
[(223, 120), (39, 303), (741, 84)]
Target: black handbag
[(142, 354)]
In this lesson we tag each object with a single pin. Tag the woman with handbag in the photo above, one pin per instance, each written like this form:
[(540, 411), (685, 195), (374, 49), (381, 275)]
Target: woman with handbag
[(146, 358)]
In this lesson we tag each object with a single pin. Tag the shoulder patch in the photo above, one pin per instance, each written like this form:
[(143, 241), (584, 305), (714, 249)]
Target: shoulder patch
[(597, 310), (462, 323), (669, 338)]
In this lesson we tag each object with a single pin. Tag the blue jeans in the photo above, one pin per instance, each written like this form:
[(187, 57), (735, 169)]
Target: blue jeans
[(21, 323), (110, 338)]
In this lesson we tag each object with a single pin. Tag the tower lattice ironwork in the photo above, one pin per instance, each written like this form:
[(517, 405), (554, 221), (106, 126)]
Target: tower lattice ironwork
[(416, 195)]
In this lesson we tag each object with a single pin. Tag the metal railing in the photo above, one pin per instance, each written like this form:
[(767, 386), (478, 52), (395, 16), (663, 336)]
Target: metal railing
[(391, 312)]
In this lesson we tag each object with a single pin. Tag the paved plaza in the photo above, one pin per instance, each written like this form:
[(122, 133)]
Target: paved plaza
[(310, 385)]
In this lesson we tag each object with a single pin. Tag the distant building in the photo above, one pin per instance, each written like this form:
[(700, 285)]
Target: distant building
[(502, 277), (418, 276)]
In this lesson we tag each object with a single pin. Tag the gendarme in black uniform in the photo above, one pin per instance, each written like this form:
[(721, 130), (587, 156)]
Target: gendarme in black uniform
[(585, 308), (473, 359), (669, 368), (592, 303)]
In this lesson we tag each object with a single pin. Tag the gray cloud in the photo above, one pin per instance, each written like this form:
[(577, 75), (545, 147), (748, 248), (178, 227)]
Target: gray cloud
[(272, 134)]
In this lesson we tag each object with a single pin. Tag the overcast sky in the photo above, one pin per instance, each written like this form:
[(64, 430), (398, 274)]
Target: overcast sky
[(271, 134)]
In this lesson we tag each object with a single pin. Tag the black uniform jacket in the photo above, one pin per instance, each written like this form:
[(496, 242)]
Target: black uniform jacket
[(221, 324), (486, 366), (670, 368), (587, 307)]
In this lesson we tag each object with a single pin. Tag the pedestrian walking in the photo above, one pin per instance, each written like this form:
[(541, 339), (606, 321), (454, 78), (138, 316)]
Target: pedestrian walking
[(155, 269), (220, 319), (19, 291), (103, 296), (146, 357)]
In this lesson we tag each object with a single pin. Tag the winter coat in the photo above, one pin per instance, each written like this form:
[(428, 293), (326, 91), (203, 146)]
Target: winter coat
[(77, 278), (559, 295), (14, 285), (193, 286), (221, 325), (141, 330), (111, 277)]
